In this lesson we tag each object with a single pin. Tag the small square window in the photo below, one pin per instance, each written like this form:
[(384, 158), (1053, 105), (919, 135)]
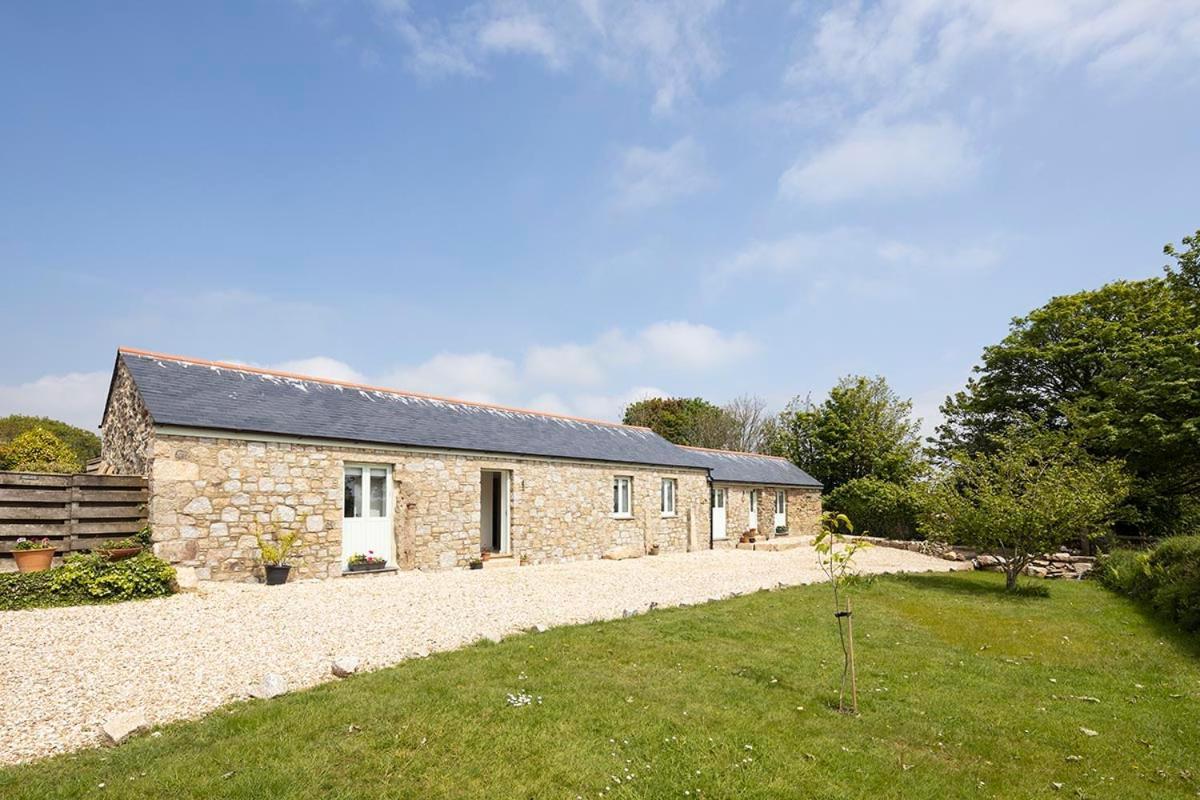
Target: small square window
[(668, 497), (622, 506)]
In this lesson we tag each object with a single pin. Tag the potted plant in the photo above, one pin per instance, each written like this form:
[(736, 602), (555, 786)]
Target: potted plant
[(750, 536), (485, 554), (781, 530), (274, 556), (119, 549), (33, 555), (654, 549), (476, 563), (525, 559), (361, 562)]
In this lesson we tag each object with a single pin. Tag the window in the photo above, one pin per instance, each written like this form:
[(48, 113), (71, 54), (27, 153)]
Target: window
[(753, 501), (780, 502), (668, 497), (622, 507), (375, 496)]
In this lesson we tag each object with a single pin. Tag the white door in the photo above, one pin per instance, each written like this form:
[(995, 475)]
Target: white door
[(752, 523), (367, 512), (718, 514), (780, 509)]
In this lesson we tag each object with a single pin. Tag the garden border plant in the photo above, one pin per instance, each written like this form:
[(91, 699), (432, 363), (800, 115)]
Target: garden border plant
[(87, 578)]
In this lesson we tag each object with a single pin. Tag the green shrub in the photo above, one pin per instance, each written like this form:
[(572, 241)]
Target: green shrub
[(1166, 578), (87, 579), (878, 507)]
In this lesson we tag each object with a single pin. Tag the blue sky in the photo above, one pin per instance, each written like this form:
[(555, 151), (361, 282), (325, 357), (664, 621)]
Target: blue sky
[(567, 205)]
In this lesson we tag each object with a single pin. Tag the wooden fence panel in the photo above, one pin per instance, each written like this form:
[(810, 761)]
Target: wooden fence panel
[(76, 512)]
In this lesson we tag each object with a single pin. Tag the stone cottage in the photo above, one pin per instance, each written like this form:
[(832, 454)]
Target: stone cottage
[(423, 482)]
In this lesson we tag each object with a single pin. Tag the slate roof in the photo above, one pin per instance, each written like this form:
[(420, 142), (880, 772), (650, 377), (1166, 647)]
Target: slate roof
[(194, 393), (727, 466)]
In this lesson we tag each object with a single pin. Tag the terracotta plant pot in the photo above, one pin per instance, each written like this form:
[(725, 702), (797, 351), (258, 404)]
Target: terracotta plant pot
[(119, 553), (34, 560), (277, 574)]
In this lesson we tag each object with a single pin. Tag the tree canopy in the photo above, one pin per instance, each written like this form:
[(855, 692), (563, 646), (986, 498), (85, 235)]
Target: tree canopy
[(1120, 367), (38, 450), (84, 444), (863, 429), (1033, 491)]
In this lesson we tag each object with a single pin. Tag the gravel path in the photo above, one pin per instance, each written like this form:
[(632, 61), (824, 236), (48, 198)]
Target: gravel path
[(65, 670)]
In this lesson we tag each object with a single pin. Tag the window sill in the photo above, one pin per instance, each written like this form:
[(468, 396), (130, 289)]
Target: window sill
[(669, 516), (620, 516)]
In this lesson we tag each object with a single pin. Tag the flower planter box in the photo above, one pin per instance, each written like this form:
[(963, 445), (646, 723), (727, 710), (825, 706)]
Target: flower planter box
[(366, 567), (33, 560)]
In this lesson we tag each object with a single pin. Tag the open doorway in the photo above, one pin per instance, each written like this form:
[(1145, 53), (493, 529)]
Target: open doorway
[(493, 508)]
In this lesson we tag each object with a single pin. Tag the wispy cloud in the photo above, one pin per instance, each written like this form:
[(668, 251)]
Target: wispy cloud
[(646, 177), (853, 261), (872, 162), (671, 46)]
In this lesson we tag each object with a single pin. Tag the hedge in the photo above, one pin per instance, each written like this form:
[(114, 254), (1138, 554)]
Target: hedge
[(877, 507), (1166, 578), (87, 579)]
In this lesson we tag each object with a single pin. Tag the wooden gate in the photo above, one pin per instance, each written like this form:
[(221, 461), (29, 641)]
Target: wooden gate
[(75, 512)]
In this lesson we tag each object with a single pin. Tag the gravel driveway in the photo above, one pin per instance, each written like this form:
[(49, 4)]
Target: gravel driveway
[(181, 656)]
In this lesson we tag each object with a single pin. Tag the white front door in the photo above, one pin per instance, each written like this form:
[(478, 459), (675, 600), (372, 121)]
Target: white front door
[(367, 512), (752, 523), (718, 514)]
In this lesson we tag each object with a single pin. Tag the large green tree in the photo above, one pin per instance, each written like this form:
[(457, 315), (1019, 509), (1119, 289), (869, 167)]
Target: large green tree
[(862, 430), (684, 420), (1120, 367), (84, 444)]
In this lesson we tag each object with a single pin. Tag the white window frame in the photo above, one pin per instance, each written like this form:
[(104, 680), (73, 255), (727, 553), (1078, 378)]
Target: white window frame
[(752, 519), (669, 492), (622, 510), (780, 508)]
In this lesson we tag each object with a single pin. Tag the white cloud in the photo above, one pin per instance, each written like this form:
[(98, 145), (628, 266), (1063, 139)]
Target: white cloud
[(565, 363), (647, 177), (321, 367), (908, 160), (674, 346), (481, 377), (74, 397), (521, 34), (612, 406), (691, 346)]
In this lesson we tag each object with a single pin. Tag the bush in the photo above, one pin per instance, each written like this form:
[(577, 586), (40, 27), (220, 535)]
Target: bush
[(878, 507), (1166, 578), (87, 579)]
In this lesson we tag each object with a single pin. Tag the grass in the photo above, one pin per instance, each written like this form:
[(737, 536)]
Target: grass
[(964, 693)]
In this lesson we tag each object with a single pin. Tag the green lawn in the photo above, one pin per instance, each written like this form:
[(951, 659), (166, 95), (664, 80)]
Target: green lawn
[(964, 693)]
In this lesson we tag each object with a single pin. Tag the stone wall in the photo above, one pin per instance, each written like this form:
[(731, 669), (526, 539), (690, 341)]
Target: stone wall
[(126, 431), (803, 510), (209, 495)]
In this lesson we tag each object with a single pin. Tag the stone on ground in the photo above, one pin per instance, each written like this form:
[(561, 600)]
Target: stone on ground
[(273, 684), (120, 727), (344, 666)]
